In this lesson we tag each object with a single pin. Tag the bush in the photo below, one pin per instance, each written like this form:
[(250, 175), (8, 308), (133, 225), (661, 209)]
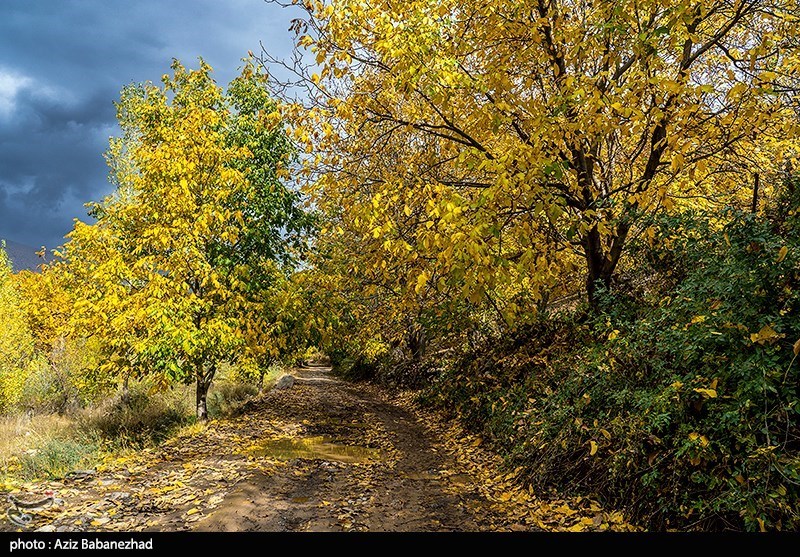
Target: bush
[(138, 418), (49, 389), (681, 407), (227, 396)]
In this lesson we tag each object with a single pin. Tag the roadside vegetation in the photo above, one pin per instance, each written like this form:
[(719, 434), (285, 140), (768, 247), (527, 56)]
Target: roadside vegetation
[(572, 226)]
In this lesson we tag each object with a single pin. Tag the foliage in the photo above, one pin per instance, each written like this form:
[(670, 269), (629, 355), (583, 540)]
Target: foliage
[(226, 398), (16, 341), (492, 150), (684, 409), (137, 418), (57, 457), (175, 274)]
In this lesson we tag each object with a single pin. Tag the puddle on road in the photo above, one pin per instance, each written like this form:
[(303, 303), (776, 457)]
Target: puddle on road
[(320, 447), (457, 479), (427, 476), (461, 479)]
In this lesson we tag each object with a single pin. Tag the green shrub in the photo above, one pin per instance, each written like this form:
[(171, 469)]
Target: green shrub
[(227, 396), (49, 389), (66, 379), (680, 406), (57, 457)]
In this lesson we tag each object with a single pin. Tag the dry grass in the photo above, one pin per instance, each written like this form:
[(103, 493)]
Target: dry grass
[(49, 445), (22, 435)]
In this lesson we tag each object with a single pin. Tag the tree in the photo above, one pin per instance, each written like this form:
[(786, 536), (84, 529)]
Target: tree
[(16, 341), (511, 143), (182, 254)]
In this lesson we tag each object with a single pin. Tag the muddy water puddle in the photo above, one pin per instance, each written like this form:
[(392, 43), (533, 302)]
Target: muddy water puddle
[(457, 479), (319, 447)]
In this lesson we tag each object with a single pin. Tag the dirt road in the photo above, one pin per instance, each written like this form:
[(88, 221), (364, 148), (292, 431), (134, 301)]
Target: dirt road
[(395, 479), (323, 455)]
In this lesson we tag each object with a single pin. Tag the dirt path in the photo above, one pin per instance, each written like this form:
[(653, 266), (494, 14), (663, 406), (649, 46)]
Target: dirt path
[(323, 455), (406, 486)]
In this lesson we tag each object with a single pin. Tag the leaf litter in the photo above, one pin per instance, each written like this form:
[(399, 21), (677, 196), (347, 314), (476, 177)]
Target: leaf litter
[(431, 475)]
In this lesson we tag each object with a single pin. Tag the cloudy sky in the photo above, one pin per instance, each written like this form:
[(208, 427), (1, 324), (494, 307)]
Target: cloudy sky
[(62, 65)]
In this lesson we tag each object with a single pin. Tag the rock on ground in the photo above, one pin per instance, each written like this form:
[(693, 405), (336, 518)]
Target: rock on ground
[(284, 382)]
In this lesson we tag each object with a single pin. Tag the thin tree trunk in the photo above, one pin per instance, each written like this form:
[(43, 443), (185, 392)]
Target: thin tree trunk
[(601, 263), (416, 341), (756, 181), (204, 379), (202, 405), (126, 392)]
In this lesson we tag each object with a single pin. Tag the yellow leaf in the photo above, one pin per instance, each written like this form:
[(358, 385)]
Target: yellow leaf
[(761, 525), (593, 448), (766, 334), (613, 334), (677, 162), (422, 280), (605, 433), (782, 254), (193, 511), (707, 393), (796, 347)]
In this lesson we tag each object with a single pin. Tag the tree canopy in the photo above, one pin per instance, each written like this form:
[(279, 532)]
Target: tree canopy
[(510, 150), (176, 270)]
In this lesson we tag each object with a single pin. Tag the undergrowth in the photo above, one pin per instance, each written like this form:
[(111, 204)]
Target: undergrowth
[(38, 446), (677, 400)]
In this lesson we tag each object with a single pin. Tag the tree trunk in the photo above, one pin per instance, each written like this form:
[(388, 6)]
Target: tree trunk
[(597, 274), (126, 392), (601, 263), (204, 379), (756, 181), (416, 341), (202, 405)]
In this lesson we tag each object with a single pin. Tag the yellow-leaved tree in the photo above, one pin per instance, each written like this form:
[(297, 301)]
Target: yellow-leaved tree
[(175, 273), (503, 146), (16, 341)]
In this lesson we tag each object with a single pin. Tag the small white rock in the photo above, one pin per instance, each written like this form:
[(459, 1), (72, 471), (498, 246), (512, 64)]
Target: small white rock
[(285, 382)]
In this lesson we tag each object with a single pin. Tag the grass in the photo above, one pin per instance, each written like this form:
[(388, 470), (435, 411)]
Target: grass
[(57, 457), (271, 376), (21, 435), (38, 446)]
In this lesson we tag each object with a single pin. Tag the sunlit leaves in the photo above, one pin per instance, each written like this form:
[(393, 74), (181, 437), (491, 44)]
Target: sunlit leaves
[(16, 341), (508, 147), (175, 275)]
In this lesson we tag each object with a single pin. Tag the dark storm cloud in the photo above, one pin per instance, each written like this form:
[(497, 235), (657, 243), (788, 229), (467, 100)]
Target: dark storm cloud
[(62, 64)]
